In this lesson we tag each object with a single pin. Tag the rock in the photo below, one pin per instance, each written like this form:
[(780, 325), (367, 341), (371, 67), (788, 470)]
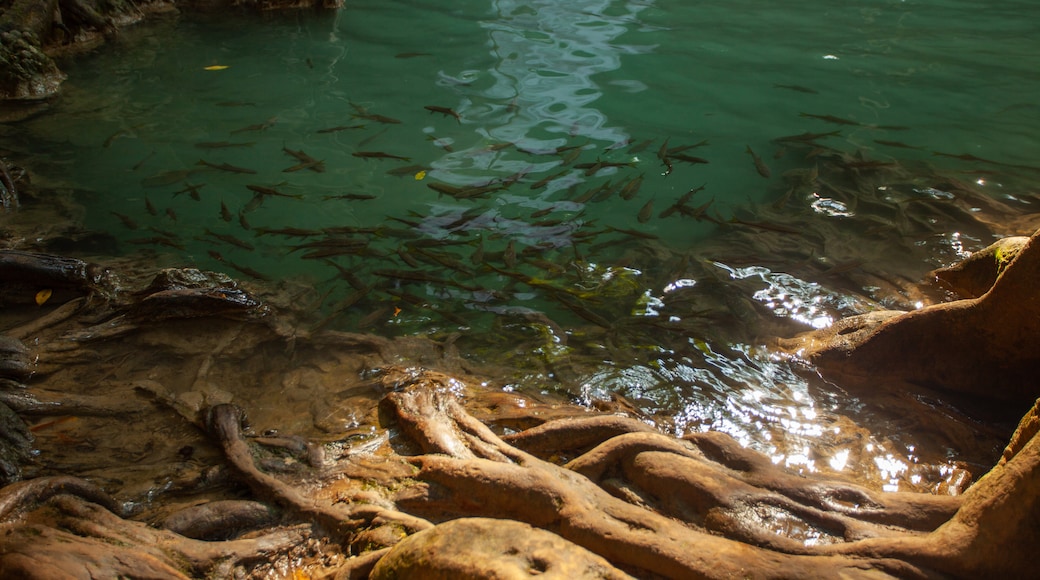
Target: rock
[(192, 293), (490, 548), (974, 276), (23, 274)]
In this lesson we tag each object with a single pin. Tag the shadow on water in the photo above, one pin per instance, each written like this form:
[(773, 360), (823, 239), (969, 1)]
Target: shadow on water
[(557, 191)]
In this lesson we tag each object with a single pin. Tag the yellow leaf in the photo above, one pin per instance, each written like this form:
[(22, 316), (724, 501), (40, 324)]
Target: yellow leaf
[(396, 311), (216, 67), (42, 296), (420, 175)]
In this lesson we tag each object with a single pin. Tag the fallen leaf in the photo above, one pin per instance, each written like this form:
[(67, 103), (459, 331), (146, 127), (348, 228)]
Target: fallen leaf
[(42, 296)]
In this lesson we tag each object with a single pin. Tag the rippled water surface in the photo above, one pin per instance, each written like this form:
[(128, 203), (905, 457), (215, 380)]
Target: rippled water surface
[(519, 171)]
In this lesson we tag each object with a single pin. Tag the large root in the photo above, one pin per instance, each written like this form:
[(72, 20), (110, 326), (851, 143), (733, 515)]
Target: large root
[(979, 348)]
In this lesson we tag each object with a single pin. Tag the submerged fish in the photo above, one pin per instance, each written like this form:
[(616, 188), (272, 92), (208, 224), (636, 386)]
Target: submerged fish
[(797, 88), (807, 137), (230, 240), (261, 190), (378, 155), (223, 144), (830, 119), (760, 165), (646, 212), (447, 112), (257, 127), (340, 128), (225, 167), (127, 220)]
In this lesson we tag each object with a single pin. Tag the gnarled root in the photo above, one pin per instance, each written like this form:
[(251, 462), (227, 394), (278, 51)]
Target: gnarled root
[(69, 536), (474, 473), (344, 521)]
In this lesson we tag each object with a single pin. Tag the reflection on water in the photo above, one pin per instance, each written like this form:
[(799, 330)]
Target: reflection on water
[(570, 186)]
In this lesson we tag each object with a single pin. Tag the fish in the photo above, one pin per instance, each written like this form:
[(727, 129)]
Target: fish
[(797, 88), (760, 165), (377, 118), (378, 155), (149, 207), (191, 190), (242, 221), (257, 127), (630, 189), (114, 136), (646, 212), (225, 167), (141, 163), (831, 119), (247, 271), (697, 213), (545, 181), (806, 137), (338, 128), (682, 148), (662, 154), (349, 276), (639, 147), (171, 214), (443, 111), (407, 257), (255, 202), (572, 156), (767, 226), (158, 241), (411, 276), (681, 202), (406, 170), (633, 233), (964, 157), (215, 255), (225, 213), (316, 165), (593, 168), (230, 240), (350, 196), (687, 158), (895, 144), (580, 310), (261, 190), (288, 232), (223, 144)]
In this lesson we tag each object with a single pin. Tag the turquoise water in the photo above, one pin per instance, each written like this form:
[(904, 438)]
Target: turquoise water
[(546, 117)]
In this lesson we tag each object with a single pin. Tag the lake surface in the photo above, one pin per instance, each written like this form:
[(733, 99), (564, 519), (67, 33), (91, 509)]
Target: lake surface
[(517, 176)]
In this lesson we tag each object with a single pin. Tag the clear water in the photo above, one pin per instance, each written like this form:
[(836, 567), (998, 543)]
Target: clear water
[(540, 88)]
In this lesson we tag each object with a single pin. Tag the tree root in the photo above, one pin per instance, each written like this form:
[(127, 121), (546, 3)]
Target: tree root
[(225, 426), (71, 536), (23, 496)]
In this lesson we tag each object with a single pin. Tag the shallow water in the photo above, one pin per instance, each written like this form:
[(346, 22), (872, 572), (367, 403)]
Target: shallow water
[(671, 315)]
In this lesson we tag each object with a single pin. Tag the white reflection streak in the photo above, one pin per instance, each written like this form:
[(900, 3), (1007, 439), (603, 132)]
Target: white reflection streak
[(548, 53)]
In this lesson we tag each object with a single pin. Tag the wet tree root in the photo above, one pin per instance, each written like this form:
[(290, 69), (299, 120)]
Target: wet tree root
[(460, 502)]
